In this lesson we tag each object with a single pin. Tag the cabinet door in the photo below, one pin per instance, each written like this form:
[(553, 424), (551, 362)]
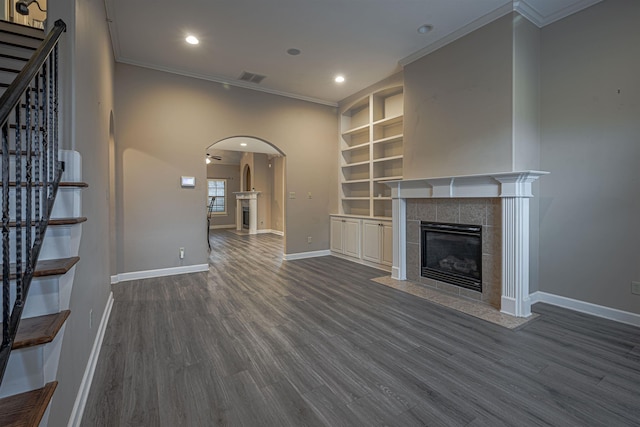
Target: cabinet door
[(371, 241), (351, 237), (387, 244), (336, 235)]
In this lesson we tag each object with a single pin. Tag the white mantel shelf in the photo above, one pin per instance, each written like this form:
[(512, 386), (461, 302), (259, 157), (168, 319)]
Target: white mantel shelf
[(501, 184), (514, 188), (246, 194)]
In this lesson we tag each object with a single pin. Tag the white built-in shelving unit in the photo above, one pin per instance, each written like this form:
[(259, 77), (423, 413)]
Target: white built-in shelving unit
[(371, 152)]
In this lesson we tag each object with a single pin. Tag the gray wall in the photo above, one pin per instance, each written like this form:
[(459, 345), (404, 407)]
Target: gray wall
[(88, 57), (458, 106), (590, 203), (232, 174), (166, 121)]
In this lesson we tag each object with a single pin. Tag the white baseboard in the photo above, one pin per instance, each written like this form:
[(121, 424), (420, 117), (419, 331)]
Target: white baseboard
[(267, 231), (587, 307), (87, 378), (221, 227), (161, 272), (303, 255), (364, 262)]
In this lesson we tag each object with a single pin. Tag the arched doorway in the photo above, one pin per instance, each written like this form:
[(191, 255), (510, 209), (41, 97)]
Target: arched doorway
[(247, 164)]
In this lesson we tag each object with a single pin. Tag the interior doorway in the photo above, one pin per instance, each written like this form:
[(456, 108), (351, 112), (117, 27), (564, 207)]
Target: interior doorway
[(253, 165)]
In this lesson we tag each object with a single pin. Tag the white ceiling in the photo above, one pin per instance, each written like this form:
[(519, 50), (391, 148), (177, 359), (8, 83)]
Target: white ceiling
[(365, 40)]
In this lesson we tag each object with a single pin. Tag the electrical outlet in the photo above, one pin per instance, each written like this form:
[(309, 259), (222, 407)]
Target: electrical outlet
[(91, 319), (181, 253), (309, 239), (309, 195), (635, 288)]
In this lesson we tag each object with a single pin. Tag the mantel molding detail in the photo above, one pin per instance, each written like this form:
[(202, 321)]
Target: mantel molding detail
[(514, 188), (503, 184)]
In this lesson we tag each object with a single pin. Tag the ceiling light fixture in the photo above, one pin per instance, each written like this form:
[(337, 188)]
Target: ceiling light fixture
[(192, 40), (293, 51), (339, 79), (243, 144), (425, 29), (208, 160)]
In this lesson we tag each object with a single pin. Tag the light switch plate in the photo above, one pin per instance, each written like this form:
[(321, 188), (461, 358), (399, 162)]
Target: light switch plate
[(635, 288)]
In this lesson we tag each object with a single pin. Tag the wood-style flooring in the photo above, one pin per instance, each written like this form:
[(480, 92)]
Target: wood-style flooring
[(258, 341)]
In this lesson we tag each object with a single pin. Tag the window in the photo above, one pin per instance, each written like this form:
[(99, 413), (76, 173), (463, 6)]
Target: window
[(217, 188)]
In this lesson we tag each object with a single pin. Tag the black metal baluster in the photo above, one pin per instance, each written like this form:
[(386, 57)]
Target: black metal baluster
[(18, 190), (6, 273), (54, 155)]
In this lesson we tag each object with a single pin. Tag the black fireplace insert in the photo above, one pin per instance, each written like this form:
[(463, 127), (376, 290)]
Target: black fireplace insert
[(452, 253)]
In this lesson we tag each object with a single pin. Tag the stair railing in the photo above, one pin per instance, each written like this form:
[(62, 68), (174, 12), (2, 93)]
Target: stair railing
[(29, 127)]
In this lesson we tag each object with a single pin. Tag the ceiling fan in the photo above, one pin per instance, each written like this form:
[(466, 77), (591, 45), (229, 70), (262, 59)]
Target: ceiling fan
[(209, 157)]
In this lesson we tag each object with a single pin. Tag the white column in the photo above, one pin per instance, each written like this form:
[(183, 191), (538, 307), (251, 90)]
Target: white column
[(238, 214), (515, 257), (253, 214), (399, 213)]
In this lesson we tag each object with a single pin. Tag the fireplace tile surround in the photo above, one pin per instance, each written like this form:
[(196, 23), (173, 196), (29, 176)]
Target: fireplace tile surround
[(497, 201), (477, 211)]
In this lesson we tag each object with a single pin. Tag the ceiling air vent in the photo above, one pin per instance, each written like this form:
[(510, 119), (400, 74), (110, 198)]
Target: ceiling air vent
[(251, 77)]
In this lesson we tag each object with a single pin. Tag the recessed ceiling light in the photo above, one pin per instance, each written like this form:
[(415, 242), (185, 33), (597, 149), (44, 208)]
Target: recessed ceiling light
[(425, 29), (192, 40), (339, 79), (243, 144), (293, 51)]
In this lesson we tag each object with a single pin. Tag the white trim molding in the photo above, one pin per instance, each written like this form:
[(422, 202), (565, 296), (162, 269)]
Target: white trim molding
[(161, 272), (303, 255), (222, 227), (587, 308), (514, 188), (87, 378), (268, 231)]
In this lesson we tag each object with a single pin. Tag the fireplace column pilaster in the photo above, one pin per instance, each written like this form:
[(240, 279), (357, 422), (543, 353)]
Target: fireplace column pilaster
[(515, 257), (399, 225), (515, 192)]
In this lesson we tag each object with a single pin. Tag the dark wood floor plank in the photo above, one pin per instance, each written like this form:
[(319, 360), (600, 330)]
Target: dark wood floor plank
[(315, 342)]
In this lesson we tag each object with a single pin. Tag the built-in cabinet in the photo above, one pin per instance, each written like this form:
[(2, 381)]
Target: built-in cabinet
[(371, 152), (345, 236), (364, 240), (377, 242)]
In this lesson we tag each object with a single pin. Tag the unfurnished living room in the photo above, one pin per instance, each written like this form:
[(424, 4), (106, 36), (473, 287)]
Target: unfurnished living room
[(320, 213)]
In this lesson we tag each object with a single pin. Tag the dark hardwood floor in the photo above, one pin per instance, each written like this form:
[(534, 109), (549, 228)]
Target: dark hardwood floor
[(261, 342)]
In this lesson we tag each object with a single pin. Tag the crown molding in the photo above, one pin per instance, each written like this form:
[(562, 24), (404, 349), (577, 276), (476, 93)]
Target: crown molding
[(523, 7), (451, 37), (527, 9)]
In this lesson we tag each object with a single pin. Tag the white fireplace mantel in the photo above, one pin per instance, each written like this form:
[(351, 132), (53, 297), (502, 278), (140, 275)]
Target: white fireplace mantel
[(514, 188), (252, 198)]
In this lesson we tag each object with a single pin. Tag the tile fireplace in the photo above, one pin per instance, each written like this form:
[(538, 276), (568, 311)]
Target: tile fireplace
[(499, 203)]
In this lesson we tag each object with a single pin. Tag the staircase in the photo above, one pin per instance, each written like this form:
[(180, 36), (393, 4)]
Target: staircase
[(41, 225)]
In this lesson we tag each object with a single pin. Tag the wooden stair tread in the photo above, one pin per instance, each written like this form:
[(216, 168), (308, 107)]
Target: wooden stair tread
[(50, 267), (62, 184), (54, 267), (58, 221), (26, 409), (39, 330)]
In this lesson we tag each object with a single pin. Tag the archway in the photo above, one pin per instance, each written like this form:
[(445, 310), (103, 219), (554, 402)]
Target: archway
[(246, 164)]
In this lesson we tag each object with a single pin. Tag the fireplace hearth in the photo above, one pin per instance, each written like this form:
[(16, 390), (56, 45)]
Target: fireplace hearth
[(452, 253)]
